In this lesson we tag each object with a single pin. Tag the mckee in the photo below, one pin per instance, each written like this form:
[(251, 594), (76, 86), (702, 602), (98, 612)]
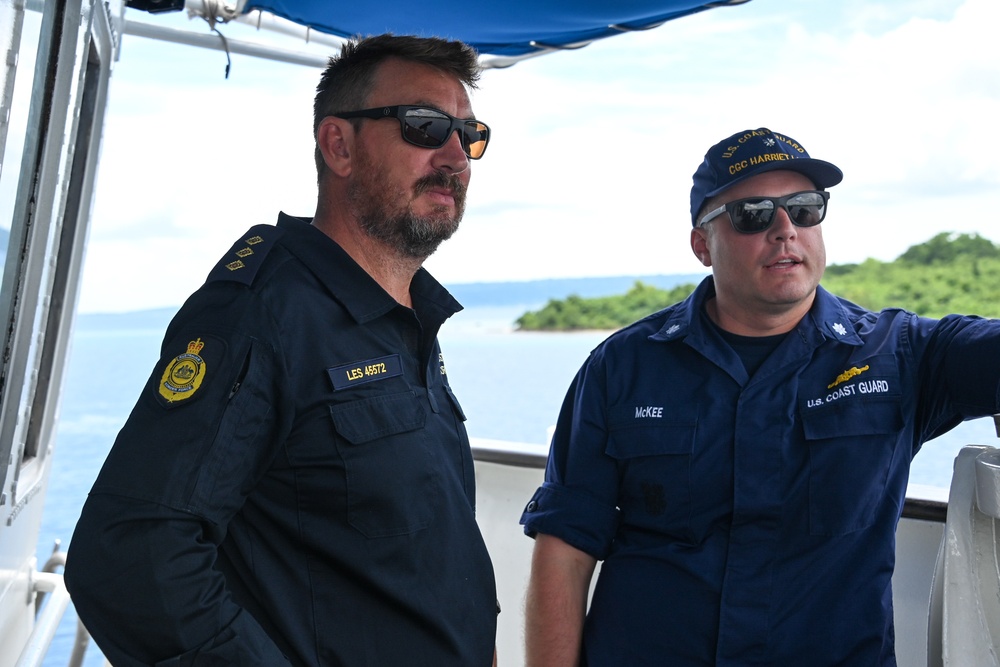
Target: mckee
[(752, 520)]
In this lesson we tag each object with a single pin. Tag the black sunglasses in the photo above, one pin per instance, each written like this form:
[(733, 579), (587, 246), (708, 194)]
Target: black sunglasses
[(755, 214), (428, 127)]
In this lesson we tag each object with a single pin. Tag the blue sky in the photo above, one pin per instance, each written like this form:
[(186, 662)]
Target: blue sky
[(590, 165)]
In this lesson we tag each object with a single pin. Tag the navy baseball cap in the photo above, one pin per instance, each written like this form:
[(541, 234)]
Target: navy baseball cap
[(754, 152)]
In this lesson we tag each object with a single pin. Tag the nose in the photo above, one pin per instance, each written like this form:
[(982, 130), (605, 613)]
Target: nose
[(451, 157), (782, 229)]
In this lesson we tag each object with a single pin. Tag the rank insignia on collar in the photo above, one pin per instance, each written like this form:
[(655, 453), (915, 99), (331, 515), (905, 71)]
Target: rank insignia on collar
[(839, 328), (183, 375)]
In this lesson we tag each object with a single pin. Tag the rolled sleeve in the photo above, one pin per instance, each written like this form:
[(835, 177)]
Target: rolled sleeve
[(576, 518), (578, 500)]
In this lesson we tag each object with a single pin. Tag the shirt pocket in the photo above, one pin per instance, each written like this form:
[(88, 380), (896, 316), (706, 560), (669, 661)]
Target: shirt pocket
[(391, 479), (851, 445), (654, 463)]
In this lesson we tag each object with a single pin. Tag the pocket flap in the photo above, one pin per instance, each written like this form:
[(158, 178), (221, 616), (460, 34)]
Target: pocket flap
[(377, 417), (635, 431), (852, 419)]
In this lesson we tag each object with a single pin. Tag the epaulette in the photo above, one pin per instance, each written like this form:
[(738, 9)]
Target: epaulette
[(246, 256)]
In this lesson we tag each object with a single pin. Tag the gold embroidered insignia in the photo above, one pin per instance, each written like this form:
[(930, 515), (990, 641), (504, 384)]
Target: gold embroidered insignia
[(853, 371), (244, 252), (183, 376), (254, 240), (238, 264)]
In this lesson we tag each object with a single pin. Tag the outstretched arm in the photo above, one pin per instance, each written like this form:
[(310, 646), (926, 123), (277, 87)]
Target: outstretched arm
[(556, 603)]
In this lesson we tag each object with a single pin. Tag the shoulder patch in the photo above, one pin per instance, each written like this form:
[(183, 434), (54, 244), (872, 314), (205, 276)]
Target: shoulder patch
[(183, 375), (246, 256), (190, 367)]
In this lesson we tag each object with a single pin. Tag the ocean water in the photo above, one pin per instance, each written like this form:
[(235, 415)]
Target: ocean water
[(510, 385)]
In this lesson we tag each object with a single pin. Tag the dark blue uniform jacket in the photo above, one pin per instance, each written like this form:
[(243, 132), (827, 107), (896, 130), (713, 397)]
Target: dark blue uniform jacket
[(750, 520), (295, 484)]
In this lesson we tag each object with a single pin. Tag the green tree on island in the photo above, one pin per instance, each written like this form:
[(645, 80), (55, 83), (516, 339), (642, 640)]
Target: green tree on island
[(951, 273)]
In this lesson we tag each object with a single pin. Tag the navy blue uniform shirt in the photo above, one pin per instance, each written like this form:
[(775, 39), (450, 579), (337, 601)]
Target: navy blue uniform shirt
[(751, 520), (295, 484)]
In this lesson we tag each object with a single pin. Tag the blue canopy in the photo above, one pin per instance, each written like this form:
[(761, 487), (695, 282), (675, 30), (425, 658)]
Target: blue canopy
[(502, 27)]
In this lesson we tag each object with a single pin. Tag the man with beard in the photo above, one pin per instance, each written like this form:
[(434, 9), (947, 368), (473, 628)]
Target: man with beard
[(295, 483)]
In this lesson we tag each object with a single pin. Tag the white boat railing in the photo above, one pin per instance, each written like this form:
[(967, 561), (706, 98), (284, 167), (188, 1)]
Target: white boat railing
[(507, 474), (49, 613), (964, 623), (946, 586)]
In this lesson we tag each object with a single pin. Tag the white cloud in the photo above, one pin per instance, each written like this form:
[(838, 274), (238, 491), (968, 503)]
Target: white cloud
[(593, 150)]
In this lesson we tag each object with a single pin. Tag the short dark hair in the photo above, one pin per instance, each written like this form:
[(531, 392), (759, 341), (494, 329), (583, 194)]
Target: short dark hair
[(347, 81)]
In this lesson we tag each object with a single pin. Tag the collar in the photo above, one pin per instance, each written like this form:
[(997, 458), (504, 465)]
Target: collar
[(827, 319), (359, 293)]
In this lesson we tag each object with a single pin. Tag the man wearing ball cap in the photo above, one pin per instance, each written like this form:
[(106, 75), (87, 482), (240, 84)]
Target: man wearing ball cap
[(739, 460)]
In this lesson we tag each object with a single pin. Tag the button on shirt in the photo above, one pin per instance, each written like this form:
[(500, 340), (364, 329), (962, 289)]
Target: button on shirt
[(750, 520), (295, 482)]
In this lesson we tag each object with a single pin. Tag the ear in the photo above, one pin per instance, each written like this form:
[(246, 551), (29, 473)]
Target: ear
[(335, 140), (700, 247)]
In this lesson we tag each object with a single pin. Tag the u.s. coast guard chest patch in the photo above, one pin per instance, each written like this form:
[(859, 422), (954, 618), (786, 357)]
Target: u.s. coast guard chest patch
[(183, 375)]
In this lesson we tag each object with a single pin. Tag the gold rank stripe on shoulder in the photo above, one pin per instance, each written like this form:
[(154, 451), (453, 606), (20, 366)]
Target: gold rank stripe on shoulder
[(244, 252), (245, 258)]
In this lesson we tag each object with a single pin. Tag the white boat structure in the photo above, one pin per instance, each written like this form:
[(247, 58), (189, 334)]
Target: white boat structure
[(59, 55)]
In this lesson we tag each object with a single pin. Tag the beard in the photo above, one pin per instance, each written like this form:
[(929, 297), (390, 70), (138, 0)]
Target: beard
[(384, 215)]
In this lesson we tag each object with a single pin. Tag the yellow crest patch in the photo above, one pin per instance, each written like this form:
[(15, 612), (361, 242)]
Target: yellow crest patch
[(182, 377)]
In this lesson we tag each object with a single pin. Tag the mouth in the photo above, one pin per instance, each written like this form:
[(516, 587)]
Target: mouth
[(442, 196), (442, 189), (785, 263)]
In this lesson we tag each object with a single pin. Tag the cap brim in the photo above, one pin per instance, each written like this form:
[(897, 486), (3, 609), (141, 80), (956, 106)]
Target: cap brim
[(823, 174)]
